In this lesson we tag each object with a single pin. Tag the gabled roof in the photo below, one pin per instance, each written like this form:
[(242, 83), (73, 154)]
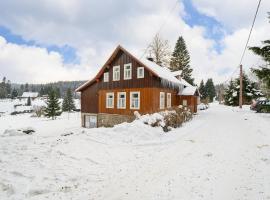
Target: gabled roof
[(191, 90), (162, 72)]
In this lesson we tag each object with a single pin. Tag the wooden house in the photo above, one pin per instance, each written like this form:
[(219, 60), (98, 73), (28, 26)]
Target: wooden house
[(126, 84)]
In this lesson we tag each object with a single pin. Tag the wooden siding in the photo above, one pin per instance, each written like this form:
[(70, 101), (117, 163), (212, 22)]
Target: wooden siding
[(192, 102), (149, 100), (89, 96), (121, 59), (89, 100)]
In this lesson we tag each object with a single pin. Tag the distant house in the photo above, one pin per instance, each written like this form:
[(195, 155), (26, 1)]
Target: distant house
[(32, 95), (126, 84)]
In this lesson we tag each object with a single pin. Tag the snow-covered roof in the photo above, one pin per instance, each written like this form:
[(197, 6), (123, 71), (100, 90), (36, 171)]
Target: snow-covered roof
[(30, 94), (177, 73), (162, 72), (190, 90)]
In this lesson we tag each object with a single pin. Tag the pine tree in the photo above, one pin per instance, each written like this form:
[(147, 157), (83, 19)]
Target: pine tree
[(181, 60), (68, 102), (263, 73), (230, 95), (53, 106), (14, 93), (202, 90), (28, 101), (210, 89), (249, 91)]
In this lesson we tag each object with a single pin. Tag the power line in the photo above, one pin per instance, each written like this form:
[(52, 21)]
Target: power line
[(243, 54), (162, 25), (250, 32)]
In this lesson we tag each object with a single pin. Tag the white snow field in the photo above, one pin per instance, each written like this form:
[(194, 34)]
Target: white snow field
[(223, 153)]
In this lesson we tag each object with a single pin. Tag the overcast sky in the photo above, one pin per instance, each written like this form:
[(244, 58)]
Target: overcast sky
[(47, 40)]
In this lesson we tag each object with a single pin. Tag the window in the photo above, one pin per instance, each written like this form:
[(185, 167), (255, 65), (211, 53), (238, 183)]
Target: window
[(90, 121), (134, 100), (184, 102), (106, 77), (127, 71), (110, 100), (121, 100), (140, 72), (161, 100), (169, 100), (116, 73)]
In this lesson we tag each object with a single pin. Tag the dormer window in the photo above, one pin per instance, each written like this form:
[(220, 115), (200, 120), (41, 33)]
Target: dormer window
[(140, 72), (127, 71), (106, 77), (116, 73)]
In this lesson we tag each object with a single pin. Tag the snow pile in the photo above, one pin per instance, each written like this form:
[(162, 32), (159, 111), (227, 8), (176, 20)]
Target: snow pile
[(155, 119), (18, 132)]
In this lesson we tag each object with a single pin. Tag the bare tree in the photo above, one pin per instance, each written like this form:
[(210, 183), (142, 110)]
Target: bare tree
[(159, 50)]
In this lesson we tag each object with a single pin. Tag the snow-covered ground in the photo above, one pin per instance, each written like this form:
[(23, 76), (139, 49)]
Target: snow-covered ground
[(223, 153)]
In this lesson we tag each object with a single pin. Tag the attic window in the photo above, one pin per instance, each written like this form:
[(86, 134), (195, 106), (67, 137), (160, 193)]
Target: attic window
[(140, 72), (106, 77), (127, 71), (116, 73)]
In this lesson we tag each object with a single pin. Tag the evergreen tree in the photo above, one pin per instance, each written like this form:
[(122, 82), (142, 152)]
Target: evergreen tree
[(210, 89), (263, 73), (202, 90), (28, 101), (181, 60), (8, 88), (26, 87), (14, 93), (68, 102), (53, 106), (230, 95), (249, 92), (3, 89)]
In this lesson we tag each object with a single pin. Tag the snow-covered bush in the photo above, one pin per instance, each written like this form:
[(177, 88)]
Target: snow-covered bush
[(172, 118)]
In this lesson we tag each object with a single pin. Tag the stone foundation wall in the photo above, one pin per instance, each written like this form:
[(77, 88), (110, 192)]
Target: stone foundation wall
[(109, 120)]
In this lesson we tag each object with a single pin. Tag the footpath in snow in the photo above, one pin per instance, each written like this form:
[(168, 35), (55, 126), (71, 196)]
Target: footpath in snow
[(223, 153)]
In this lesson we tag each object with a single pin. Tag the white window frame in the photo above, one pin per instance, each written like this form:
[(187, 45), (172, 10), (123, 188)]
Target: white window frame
[(115, 78), (106, 77), (169, 100), (119, 106), (131, 99), (184, 102), (126, 70), (138, 72), (162, 101), (107, 100)]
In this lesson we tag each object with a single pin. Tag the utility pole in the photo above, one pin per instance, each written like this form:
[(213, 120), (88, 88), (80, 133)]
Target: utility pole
[(241, 87)]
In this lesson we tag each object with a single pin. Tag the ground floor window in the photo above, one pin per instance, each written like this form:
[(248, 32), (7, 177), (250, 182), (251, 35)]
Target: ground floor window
[(134, 100), (110, 100), (184, 102), (161, 100), (169, 100), (121, 100)]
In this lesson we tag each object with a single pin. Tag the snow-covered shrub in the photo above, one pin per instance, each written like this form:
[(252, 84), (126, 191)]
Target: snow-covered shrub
[(172, 118)]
